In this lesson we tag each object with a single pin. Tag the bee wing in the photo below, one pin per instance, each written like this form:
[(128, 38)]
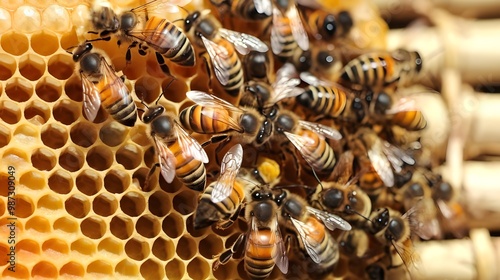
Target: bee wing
[(276, 45), (298, 30), (323, 130), (380, 163), (403, 105), (279, 253), (169, 40), (310, 244), (229, 168), (189, 145), (166, 159), (396, 156), (116, 85), (285, 84), (302, 143), (244, 43), (218, 55), (91, 98), (422, 218), (209, 100), (312, 80), (263, 7), (159, 7), (330, 220)]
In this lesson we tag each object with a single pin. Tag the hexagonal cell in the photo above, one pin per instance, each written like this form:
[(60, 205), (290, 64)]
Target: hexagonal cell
[(19, 89), (33, 180), (55, 247), (28, 248), (31, 66), (139, 66), (54, 136), (48, 89), (127, 268), (84, 246), (99, 269), (66, 111), (159, 204), (116, 181), (163, 249), (140, 136), (5, 21), (229, 270), (72, 270), (66, 225), (10, 112), (24, 206), (71, 159), (93, 227), (150, 157), (185, 202), (61, 66), (174, 91), (77, 206), (26, 19), (129, 156), (8, 66), (148, 226), (210, 246), (14, 43), (191, 230), (173, 225), (43, 159), (105, 205), (99, 157), (152, 270), (121, 226), (61, 182), (198, 269), (50, 203), (21, 272), (113, 134), (15, 156), (44, 43), (89, 182), (175, 269), (4, 136), (44, 269), (147, 89), (140, 176), (4, 250), (110, 245), (133, 204), (73, 89), (38, 224), (83, 134), (26, 134), (137, 249), (186, 247), (56, 18), (37, 108), (173, 187)]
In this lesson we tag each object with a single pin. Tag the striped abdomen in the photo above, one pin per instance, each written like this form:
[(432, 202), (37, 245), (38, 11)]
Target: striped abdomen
[(368, 71), (327, 248), (120, 106), (259, 262), (410, 120), (324, 100), (320, 152), (232, 65), (284, 37), (165, 38), (205, 120), (188, 170)]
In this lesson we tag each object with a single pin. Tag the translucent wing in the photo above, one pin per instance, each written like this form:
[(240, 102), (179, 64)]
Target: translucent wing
[(244, 43), (166, 159), (209, 100), (323, 130), (403, 105), (218, 55), (189, 145), (298, 30), (152, 36), (161, 7), (311, 246), (229, 168), (396, 156), (330, 220), (263, 6), (380, 163), (304, 145), (311, 79), (276, 44), (423, 219), (279, 252), (91, 98), (285, 84)]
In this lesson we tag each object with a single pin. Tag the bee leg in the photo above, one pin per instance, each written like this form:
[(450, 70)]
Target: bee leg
[(225, 256), (225, 224), (150, 173), (163, 65), (208, 69), (222, 139)]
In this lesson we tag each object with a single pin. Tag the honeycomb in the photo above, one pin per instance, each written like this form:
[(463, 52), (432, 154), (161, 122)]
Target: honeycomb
[(81, 206)]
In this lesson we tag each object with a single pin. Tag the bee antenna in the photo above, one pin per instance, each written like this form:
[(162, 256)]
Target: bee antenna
[(185, 10), (163, 92), (316, 177), (359, 214), (140, 109)]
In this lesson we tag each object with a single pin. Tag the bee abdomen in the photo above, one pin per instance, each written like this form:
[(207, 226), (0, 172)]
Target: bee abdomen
[(124, 111), (410, 120)]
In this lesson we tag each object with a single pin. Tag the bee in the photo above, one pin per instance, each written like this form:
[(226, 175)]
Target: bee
[(382, 269), (258, 66), (102, 86), (212, 115), (178, 153), (264, 246), (377, 159), (287, 31), (380, 70), (220, 44), (250, 10), (321, 61), (325, 25), (310, 224), (140, 27), (356, 243), (325, 100)]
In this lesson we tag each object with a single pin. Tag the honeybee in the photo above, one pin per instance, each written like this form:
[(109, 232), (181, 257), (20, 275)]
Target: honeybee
[(356, 243), (178, 153), (102, 86), (220, 44), (139, 26), (321, 61), (380, 70), (325, 25), (309, 223), (377, 159), (212, 115), (264, 246), (325, 100), (258, 66), (287, 30), (249, 10)]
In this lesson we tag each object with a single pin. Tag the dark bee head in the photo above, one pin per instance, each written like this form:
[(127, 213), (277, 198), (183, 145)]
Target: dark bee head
[(265, 131), (333, 198), (293, 207), (279, 198), (285, 122), (306, 99), (380, 220), (328, 28), (81, 50), (325, 59), (375, 272), (414, 190), (104, 18), (303, 60), (152, 113), (161, 124), (263, 211), (257, 65), (250, 123), (90, 63), (190, 20), (358, 108), (345, 20), (442, 191), (261, 195), (383, 103), (128, 20), (259, 91), (396, 229)]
